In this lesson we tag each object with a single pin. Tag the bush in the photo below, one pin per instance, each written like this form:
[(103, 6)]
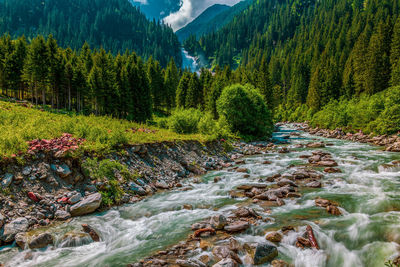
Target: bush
[(245, 111), (185, 121), (207, 125)]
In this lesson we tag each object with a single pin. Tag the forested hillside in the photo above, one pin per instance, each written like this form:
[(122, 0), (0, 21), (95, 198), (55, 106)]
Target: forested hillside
[(214, 18), (314, 51), (114, 25)]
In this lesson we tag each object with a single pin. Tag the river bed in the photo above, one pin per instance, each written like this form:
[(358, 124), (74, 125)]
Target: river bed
[(367, 234)]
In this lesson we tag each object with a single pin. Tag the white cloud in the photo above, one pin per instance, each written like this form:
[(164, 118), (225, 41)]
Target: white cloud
[(143, 2), (190, 9)]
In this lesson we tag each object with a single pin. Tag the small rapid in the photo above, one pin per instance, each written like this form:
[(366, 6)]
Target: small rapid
[(366, 234)]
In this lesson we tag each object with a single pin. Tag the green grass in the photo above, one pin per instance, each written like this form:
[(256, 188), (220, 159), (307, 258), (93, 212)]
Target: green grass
[(19, 124)]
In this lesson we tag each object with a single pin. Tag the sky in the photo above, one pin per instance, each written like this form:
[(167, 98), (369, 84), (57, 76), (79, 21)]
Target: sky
[(190, 9)]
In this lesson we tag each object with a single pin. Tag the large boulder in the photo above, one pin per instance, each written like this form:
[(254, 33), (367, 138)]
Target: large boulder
[(14, 227), (87, 205), (41, 241)]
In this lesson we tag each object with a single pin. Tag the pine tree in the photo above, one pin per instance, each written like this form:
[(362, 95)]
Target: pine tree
[(181, 91), (171, 81), (395, 55), (194, 93), (264, 83), (156, 80)]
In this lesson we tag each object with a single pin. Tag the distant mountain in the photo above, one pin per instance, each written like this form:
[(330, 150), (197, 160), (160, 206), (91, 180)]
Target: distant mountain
[(157, 9), (212, 19), (115, 25)]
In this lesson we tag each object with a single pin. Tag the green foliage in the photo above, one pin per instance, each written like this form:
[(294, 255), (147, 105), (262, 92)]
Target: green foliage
[(185, 121), (245, 111), (19, 124), (111, 193), (379, 114)]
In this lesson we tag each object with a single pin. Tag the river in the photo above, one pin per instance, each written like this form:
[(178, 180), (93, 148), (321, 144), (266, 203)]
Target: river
[(189, 62), (365, 235)]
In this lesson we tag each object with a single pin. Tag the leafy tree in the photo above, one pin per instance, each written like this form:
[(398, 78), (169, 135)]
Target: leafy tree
[(245, 111)]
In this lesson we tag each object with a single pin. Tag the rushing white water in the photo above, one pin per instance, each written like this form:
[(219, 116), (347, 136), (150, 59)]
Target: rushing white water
[(189, 62), (365, 235)]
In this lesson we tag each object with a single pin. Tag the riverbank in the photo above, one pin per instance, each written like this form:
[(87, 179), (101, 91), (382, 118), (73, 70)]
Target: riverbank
[(46, 188), (391, 143)]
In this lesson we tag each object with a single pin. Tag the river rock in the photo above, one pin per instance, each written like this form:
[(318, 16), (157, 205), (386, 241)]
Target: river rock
[(87, 205), (75, 240), (137, 189), (279, 263), (243, 170), (261, 252), (218, 222), (326, 163), (314, 184), (189, 263), (41, 241), (285, 181), (274, 237), (316, 145), (162, 185), (14, 227), (7, 180), (89, 230), (245, 212), (20, 240), (333, 210), (332, 170), (62, 215), (237, 226), (226, 263), (223, 252)]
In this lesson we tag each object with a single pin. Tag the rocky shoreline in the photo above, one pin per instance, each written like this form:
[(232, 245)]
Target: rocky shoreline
[(47, 188), (391, 143)]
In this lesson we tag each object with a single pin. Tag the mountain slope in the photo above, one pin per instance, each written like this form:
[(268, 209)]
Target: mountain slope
[(113, 24), (212, 19), (311, 53), (157, 9), (198, 25)]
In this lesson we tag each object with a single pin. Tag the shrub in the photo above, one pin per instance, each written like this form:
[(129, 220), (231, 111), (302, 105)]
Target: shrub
[(245, 111), (185, 121), (207, 125)]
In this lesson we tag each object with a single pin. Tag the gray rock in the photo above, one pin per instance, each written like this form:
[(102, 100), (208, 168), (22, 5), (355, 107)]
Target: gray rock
[(41, 241), (237, 226), (7, 180), (20, 240), (218, 222), (162, 185), (75, 198), (75, 240), (137, 189), (264, 253), (14, 227), (190, 263), (226, 263), (27, 170), (62, 215), (87, 205), (63, 170)]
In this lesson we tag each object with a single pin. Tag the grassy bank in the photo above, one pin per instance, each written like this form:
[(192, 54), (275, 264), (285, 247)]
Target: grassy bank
[(20, 123)]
